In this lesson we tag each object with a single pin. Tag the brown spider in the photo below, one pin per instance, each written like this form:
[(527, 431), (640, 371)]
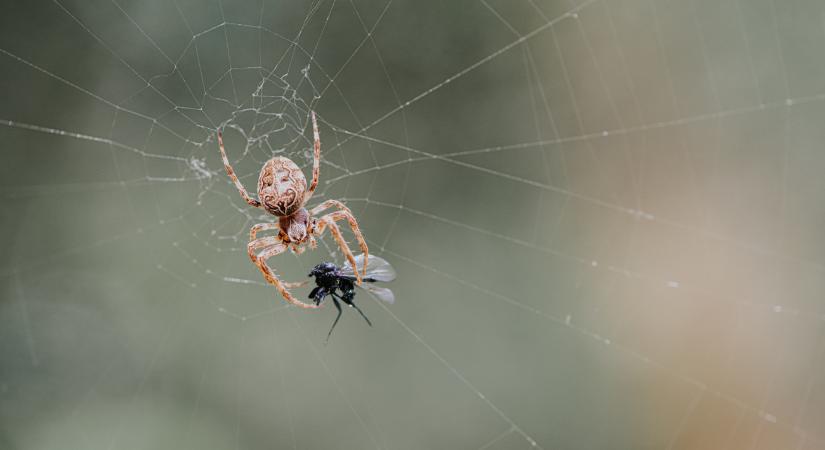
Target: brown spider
[(282, 192)]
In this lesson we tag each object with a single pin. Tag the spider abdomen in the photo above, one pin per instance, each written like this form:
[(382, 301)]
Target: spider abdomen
[(281, 186)]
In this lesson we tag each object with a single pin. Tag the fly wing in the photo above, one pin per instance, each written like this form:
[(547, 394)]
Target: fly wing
[(380, 292), (377, 268)]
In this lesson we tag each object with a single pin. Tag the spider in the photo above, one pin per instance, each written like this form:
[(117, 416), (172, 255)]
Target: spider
[(282, 192)]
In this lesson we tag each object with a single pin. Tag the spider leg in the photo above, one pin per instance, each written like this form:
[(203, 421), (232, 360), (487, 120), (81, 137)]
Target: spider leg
[(256, 244), (338, 307), (328, 204), (345, 214), (314, 212), (327, 221), (263, 242), (294, 284), (316, 160), (271, 247), (258, 227), (231, 172)]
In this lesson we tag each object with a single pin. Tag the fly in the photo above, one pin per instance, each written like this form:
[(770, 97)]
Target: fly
[(339, 283)]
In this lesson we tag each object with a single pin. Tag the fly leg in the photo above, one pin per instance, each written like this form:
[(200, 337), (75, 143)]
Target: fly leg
[(348, 300), (338, 307)]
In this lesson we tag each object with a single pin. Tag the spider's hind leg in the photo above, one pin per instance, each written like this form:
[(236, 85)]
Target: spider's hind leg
[(316, 160), (231, 172)]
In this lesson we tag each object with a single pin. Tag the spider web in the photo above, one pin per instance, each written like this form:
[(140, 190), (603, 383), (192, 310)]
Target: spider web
[(604, 214)]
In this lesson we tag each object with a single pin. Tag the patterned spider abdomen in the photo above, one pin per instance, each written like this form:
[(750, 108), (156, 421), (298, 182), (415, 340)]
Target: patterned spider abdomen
[(281, 186)]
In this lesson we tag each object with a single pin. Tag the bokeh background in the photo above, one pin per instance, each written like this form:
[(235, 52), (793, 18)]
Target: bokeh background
[(605, 214)]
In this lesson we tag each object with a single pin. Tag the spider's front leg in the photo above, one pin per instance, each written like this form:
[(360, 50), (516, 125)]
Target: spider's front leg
[(328, 221), (272, 246), (345, 214), (266, 226)]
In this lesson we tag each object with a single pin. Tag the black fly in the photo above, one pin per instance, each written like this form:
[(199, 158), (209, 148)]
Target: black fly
[(339, 283)]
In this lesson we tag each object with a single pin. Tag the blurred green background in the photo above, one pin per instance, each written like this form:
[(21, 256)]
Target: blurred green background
[(606, 216)]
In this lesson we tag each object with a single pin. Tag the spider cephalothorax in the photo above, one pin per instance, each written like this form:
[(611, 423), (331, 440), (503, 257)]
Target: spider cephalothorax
[(296, 227), (282, 192)]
